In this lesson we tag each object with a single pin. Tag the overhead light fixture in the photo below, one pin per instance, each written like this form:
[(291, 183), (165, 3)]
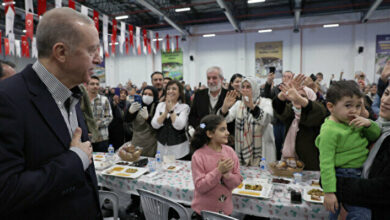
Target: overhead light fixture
[(116, 43), (330, 25), (208, 35), (7, 3), (182, 9), (160, 39), (255, 1), (265, 31), (121, 17), (24, 31)]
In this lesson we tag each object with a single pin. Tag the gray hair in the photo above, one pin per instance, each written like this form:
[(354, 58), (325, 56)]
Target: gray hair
[(58, 25), (215, 69)]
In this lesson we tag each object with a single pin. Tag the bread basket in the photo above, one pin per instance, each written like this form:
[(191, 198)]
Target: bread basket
[(285, 172)]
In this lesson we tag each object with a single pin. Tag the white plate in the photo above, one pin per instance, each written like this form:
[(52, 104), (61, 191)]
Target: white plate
[(266, 191), (101, 165), (120, 171), (307, 197), (172, 168)]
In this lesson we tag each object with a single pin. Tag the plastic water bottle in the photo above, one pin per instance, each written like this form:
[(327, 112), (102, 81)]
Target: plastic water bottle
[(111, 153), (158, 161), (263, 165), (151, 165)]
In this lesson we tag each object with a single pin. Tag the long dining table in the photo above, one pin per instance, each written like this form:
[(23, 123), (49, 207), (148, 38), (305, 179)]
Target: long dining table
[(178, 186)]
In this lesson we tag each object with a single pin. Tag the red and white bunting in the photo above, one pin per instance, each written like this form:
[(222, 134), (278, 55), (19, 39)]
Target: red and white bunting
[(114, 27), (177, 43), (138, 39), (28, 6), (71, 4), (29, 25), (41, 7), (96, 19), (9, 21), (167, 42), (8, 4), (0, 42), (127, 45), (6, 46), (157, 42), (122, 37), (113, 44), (105, 34), (152, 41), (131, 35), (17, 48), (25, 47), (58, 3), (11, 39), (84, 10), (34, 51)]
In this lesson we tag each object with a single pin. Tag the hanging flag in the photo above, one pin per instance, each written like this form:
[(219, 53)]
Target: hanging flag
[(34, 51), (105, 34), (41, 7), (167, 48), (71, 4), (157, 42), (138, 39), (6, 46), (84, 10), (127, 46), (24, 41), (145, 37), (0, 43), (28, 6), (145, 48), (17, 48), (177, 43), (122, 37), (7, 4), (11, 39), (164, 47), (96, 19), (149, 46), (151, 41), (131, 35), (113, 44), (114, 28), (58, 3), (9, 21), (172, 46), (29, 25)]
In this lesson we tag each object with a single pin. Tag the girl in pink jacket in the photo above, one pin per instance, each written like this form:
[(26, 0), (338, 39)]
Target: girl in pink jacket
[(215, 167)]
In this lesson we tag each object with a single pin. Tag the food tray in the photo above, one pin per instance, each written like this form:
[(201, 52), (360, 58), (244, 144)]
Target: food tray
[(265, 192), (308, 198), (172, 168), (124, 171), (283, 172)]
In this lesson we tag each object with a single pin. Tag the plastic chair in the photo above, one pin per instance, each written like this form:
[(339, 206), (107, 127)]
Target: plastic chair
[(103, 195), (155, 206), (208, 215)]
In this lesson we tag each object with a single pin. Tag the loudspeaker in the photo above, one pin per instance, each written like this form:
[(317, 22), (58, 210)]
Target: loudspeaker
[(360, 50), (191, 58)]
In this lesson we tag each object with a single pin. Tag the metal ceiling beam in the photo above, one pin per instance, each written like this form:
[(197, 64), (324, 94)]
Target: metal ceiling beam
[(371, 10), (161, 14), (297, 14), (229, 15)]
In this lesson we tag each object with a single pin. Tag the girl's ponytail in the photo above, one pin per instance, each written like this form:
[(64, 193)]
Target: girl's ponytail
[(208, 123)]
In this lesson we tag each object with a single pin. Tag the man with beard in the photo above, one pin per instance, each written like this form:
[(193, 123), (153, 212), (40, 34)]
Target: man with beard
[(207, 101), (157, 82)]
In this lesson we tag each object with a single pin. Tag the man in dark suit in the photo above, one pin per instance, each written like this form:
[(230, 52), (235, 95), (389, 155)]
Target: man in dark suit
[(207, 101), (46, 169)]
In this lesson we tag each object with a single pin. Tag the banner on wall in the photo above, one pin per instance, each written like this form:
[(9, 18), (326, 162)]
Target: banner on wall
[(100, 71), (382, 52), (269, 58), (172, 64)]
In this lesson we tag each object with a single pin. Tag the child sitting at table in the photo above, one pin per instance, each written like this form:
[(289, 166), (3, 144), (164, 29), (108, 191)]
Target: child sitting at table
[(343, 142), (215, 167)]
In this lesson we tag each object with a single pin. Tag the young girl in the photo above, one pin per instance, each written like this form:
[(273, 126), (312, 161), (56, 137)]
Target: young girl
[(215, 167)]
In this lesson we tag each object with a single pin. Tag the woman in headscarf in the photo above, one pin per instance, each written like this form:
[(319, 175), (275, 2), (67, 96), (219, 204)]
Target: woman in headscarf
[(296, 107), (141, 114), (252, 115)]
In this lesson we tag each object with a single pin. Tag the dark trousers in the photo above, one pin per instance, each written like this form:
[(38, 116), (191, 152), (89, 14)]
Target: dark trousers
[(279, 131), (100, 146)]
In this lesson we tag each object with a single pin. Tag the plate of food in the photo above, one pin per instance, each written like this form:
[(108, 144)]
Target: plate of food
[(172, 167), (100, 161), (313, 194), (282, 181), (258, 188), (125, 171)]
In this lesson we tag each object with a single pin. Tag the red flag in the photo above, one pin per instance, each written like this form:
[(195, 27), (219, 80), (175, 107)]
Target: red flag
[(106, 55), (145, 37), (71, 4), (41, 7), (0, 42), (24, 40), (149, 47), (127, 45), (177, 43), (96, 19), (6, 46), (113, 41), (167, 37), (7, 4), (30, 25), (157, 42), (131, 37), (114, 26)]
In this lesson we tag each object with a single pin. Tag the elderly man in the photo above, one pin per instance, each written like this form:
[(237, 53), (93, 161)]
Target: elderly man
[(46, 169), (6, 70), (210, 100)]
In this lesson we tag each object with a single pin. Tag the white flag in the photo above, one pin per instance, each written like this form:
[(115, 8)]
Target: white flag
[(34, 52), (9, 21), (122, 37), (11, 38), (172, 46), (28, 6), (152, 43), (84, 10), (105, 33), (17, 48), (163, 45), (58, 3), (138, 38), (101, 54)]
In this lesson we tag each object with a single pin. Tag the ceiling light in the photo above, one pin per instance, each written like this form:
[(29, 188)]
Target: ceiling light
[(116, 43), (24, 31), (160, 39), (255, 1), (330, 25), (7, 3), (208, 35), (182, 9), (265, 31), (121, 17)]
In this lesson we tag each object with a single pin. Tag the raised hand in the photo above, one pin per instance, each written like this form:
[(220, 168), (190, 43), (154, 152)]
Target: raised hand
[(297, 81), (386, 71), (134, 107), (248, 101), (290, 92), (229, 101)]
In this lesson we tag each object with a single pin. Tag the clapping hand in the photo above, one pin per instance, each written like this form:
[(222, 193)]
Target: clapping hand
[(134, 107), (225, 165), (229, 101), (144, 113), (168, 105)]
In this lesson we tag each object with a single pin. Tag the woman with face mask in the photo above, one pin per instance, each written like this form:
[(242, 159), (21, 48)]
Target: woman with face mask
[(140, 114), (252, 115)]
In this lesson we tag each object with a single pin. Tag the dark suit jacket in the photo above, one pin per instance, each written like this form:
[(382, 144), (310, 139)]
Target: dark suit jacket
[(40, 178), (201, 106)]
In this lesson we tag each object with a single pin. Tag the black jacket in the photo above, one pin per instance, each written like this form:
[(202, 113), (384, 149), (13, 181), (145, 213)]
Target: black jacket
[(373, 192)]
